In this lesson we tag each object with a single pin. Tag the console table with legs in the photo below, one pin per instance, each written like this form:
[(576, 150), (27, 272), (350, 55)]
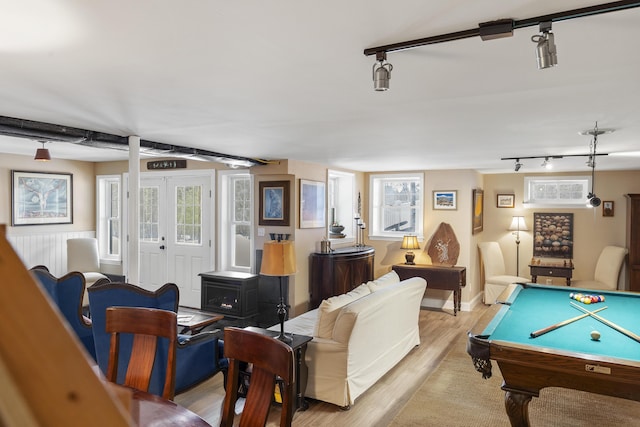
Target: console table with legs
[(565, 271), (437, 277)]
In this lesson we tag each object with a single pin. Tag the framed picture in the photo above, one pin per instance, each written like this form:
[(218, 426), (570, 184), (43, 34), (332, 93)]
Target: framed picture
[(607, 208), (445, 199), (506, 201), (39, 198), (478, 210), (274, 203), (312, 204), (552, 235)]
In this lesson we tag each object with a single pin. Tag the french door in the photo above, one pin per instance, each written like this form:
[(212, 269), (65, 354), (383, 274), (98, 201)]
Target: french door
[(175, 233)]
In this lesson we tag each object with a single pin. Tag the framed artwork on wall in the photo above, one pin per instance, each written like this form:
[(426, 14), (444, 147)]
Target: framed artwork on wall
[(39, 198), (312, 204), (478, 211), (274, 203), (445, 200), (607, 208), (552, 235), (506, 200)]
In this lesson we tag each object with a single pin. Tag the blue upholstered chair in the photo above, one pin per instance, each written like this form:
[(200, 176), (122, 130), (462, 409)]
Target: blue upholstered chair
[(67, 292), (198, 357)]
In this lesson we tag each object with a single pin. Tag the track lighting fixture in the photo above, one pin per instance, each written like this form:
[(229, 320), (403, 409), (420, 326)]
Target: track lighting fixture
[(546, 49), (518, 165), (381, 72), (42, 154), (593, 201), (547, 164)]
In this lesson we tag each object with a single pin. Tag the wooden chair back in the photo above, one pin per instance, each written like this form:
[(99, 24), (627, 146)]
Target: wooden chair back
[(147, 325), (270, 358)]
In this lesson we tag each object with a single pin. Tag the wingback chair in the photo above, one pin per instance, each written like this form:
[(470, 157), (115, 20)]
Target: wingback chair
[(495, 277), (198, 357), (607, 270), (83, 256), (66, 292)]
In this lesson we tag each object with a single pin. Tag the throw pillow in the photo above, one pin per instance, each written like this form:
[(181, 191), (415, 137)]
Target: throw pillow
[(330, 308), (388, 279)]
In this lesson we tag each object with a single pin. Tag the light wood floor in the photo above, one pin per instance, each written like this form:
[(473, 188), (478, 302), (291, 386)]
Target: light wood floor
[(378, 405)]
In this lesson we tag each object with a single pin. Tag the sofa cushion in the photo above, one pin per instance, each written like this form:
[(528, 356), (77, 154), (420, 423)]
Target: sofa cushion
[(329, 309), (383, 281)]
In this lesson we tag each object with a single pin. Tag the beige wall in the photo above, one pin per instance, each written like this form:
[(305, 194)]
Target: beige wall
[(84, 202)]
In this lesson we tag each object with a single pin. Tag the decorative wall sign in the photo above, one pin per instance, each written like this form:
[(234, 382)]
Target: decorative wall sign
[(166, 164), (41, 198), (312, 204), (274, 203), (553, 235), (445, 199), (506, 201), (478, 211)]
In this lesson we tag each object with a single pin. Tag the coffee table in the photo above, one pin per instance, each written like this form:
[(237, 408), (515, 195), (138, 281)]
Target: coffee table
[(193, 321)]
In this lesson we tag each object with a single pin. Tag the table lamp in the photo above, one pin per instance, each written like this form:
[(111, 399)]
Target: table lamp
[(518, 225), (279, 259), (410, 242)]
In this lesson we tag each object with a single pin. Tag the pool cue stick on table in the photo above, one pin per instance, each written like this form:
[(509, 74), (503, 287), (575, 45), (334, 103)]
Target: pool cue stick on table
[(609, 323), (536, 334)]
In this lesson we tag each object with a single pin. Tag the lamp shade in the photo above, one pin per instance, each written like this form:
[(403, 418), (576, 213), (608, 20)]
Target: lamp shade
[(42, 154), (278, 258), (410, 242), (518, 224)]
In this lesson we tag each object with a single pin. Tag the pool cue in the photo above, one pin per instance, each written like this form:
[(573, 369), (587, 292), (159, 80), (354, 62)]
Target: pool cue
[(536, 334), (609, 323)]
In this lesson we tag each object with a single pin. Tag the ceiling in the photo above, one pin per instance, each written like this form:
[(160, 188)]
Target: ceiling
[(288, 79)]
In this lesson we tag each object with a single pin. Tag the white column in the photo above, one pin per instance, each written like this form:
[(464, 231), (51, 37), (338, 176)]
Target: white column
[(133, 274)]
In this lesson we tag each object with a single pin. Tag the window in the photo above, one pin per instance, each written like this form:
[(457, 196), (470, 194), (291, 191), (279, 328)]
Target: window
[(109, 217), (149, 214), (189, 214), (235, 220), (340, 190), (556, 191), (396, 205)]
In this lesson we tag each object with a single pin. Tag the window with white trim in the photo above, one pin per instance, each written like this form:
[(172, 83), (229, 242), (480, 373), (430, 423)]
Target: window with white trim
[(556, 191), (396, 205), (340, 192), (109, 220), (235, 220)]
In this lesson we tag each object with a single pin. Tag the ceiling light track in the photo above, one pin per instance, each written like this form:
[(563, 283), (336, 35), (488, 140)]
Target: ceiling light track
[(504, 27), (47, 132)]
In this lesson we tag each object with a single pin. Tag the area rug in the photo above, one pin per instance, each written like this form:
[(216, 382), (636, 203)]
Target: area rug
[(456, 395)]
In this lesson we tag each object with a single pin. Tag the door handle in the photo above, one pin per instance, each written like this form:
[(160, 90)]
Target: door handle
[(162, 247)]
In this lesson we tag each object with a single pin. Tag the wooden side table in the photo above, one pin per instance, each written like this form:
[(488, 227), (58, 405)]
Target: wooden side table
[(191, 321), (551, 271), (437, 277), (299, 347)]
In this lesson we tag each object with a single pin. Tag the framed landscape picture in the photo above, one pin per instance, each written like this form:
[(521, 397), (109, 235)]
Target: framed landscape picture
[(41, 198), (445, 199), (274, 203), (312, 204), (506, 201)]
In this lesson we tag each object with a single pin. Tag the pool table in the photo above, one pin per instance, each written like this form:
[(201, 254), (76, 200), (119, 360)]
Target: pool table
[(564, 357)]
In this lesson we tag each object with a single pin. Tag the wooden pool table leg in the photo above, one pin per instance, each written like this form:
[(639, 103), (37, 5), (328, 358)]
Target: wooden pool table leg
[(517, 406)]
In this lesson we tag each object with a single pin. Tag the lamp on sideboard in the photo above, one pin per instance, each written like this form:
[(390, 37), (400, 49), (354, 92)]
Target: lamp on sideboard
[(518, 225), (279, 259), (410, 242)]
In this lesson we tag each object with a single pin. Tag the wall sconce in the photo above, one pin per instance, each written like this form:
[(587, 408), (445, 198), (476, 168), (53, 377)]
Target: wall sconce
[(42, 154), (410, 242)]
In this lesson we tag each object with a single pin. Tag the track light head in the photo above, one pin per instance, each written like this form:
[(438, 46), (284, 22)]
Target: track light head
[(547, 163), (546, 52), (593, 201), (381, 72), (518, 165)]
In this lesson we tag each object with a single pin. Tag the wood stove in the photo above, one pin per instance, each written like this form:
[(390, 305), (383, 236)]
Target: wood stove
[(232, 294)]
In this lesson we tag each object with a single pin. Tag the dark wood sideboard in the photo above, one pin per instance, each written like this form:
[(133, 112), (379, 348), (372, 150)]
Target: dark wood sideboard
[(339, 271), (633, 241)]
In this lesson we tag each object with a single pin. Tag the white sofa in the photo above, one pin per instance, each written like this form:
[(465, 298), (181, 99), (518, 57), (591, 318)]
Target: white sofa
[(359, 336)]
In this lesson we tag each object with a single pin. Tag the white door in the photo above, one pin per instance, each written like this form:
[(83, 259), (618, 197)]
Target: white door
[(175, 233)]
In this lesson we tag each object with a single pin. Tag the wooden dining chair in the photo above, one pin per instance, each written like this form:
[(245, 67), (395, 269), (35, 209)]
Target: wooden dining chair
[(148, 326), (269, 357)]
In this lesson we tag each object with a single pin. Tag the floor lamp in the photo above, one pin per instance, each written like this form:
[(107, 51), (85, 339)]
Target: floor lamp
[(279, 259), (518, 225)]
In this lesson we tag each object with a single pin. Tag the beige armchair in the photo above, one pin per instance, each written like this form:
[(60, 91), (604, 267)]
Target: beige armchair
[(495, 277), (83, 256), (607, 270)]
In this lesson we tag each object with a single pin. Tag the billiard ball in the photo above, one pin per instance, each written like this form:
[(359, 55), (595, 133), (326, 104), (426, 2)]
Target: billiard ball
[(595, 335)]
